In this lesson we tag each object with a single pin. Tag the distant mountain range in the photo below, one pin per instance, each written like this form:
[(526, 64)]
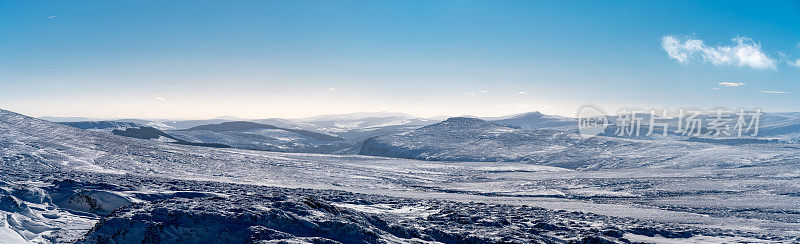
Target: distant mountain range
[(247, 126), (355, 126), (174, 124), (147, 133), (321, 134), (67, 119), (509, 138), (472, 139), (251, 135), (101, 125), (538, 121)]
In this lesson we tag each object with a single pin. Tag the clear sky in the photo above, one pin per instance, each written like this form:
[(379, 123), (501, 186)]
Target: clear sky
[(260, 59)]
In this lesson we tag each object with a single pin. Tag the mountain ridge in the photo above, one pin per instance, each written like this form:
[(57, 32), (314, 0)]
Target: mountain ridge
[(472, 139), (246, 125)]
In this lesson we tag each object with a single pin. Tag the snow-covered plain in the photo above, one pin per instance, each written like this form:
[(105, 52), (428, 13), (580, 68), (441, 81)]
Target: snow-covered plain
[(715, 193)]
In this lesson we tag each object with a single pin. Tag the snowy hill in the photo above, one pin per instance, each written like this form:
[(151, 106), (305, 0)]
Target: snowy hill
[(106, 125), (354, 126), (341, 134), (250, 135), (470, 139), (173, 124), (248, 126), (66, 119), (537, 121), (782, 127)]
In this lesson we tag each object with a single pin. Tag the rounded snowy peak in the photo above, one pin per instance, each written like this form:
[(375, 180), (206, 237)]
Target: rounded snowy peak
[(465, 121)]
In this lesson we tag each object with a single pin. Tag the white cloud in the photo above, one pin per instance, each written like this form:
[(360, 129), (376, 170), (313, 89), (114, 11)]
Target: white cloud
[(776, 92), (332, 89), (484, 91), (470, 94), (50, 17), (161, 99), (522, 93), (731, 84), (743, 52), (796, 63)]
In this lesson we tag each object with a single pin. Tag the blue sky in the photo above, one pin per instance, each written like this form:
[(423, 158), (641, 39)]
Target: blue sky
[(258, 59)]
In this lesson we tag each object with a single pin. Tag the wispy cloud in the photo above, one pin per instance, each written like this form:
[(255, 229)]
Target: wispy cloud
[(776, 92), (332, 89), (731, 84), (522, 93), (476, 93), (161, 99), (796, 63), (50, 17), (744, 52)]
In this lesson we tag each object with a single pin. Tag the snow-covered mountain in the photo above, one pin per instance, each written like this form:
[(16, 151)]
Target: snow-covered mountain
[(67, 119), (251, 135), (783, 127), (537, 121), (103, 125), (248, 126), (174, 124), (321, 134), (354, 126), (471, 139)]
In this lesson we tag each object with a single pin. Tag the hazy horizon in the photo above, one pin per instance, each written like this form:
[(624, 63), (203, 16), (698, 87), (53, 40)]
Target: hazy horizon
[(232, 117)]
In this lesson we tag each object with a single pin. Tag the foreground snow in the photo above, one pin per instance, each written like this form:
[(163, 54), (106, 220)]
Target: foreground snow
[(146, 210)]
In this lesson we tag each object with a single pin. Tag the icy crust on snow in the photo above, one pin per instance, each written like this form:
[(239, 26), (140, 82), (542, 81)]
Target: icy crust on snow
[(44, 213), (212, 212), (241, 219)]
